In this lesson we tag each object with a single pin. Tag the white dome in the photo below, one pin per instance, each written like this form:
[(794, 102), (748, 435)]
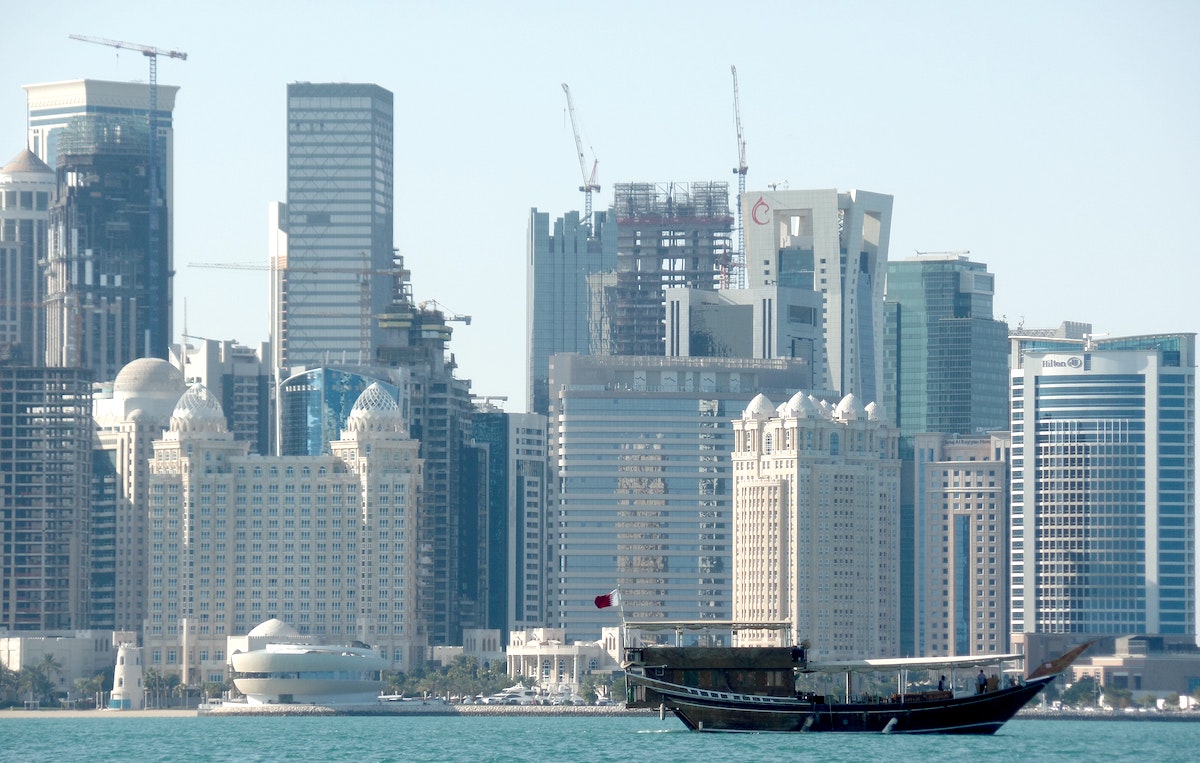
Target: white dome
[(375, 411), (274, 628), (801, 406), (874, 412), (849, 409), (198, 410), (760, 409), (149, 384)]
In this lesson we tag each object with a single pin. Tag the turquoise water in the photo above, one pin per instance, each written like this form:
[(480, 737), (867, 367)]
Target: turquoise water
[(560, 740)]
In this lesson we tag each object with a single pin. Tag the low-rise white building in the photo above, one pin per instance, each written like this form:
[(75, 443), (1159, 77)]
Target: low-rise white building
[(559, 667)]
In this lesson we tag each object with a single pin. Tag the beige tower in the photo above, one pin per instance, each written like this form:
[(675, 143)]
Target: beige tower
[(816, 509)]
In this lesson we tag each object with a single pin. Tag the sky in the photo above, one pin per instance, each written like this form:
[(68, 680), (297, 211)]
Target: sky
[(1056, 141)]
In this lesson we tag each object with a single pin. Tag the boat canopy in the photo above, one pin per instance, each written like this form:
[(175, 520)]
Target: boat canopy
[(909, 663)]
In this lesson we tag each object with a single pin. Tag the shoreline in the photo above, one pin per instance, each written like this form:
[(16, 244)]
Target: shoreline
[(545, 711)]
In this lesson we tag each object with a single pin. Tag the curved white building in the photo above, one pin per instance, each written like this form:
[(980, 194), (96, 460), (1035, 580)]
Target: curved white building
[(280, 668)]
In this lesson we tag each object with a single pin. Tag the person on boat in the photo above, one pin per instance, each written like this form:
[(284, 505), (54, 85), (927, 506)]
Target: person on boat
[(942, 684), (981, 682), (993, 683)]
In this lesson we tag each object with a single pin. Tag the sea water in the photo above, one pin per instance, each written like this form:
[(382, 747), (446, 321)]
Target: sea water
[(114, 737)]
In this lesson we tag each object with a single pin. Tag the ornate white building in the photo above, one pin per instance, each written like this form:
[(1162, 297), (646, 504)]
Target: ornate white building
[(816, 508), (325, 542)]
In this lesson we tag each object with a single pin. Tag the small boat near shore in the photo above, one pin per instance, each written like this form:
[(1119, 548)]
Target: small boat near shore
[(753, 689)]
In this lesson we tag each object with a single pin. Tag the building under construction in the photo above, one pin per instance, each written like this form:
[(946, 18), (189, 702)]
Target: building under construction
[(672, 234)]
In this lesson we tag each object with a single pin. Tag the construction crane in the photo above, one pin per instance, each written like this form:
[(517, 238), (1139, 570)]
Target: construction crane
[(589, 181), (433, 305), (740, 171), (156, 264)]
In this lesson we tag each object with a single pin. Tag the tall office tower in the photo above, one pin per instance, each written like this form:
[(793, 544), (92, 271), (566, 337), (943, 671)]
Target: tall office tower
[(945, 370), (324, 542), (1103, 529), (128, 417), (558, 297), (240, 377), (641, 446), (108, 296), (835, 244), (946, 358), (437, 407), (668, 235), (26, 188), (45, 507), (816, 510), (962, 544), (514, 561), (337, 224)]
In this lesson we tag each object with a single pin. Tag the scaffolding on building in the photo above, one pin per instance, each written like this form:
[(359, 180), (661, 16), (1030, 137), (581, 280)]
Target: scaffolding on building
[(668, 235)]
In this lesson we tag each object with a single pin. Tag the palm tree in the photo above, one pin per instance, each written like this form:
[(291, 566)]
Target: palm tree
[(8, 684)]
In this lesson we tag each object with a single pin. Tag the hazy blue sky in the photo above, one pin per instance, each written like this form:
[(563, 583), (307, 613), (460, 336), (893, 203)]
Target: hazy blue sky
[(1058, 142)]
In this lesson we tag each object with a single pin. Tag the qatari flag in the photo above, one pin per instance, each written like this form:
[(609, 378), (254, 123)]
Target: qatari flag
[(610, 599)]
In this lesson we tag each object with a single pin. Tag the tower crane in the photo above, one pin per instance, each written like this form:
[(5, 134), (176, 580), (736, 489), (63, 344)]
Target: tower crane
[(740, 171), (156, 264), (589, 181)]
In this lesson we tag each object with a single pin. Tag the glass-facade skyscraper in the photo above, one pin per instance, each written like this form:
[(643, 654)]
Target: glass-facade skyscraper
[(1103, 535), (946, 357), (108, 274), (945, 362), (337, 223), (644, 496), (558, 304)]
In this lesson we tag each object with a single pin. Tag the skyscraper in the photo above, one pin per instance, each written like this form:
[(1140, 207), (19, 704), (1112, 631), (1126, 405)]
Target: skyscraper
[(107, 294), (668, 235), (512, 563), (644, 483), (945, 371), (1103, 528), (835, 244), (961, 546), (816, 498), (946, 359), (45, 488), (337, 224), (558, 306), (26, 188)]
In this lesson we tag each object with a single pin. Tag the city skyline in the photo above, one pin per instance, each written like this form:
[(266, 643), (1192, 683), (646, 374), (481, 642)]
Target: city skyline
[(1027, 135)]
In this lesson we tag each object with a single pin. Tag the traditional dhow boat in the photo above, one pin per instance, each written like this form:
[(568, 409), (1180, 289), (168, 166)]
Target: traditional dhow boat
[(754, 689)]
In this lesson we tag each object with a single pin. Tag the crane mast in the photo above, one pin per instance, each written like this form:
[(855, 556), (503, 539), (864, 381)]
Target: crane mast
[(589, 181), (740, 171), (156, 266)]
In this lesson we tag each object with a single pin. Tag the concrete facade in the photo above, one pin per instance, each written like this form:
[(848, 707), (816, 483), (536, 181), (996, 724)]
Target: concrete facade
[(816, 511)]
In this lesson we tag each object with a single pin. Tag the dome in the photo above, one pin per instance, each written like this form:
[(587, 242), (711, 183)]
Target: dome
[(760, 409), (375, 411), (874, 412), (148, 376), (274, 628), (801, 406), (198, 410), (849, 409), (26, 161), (150, 386)]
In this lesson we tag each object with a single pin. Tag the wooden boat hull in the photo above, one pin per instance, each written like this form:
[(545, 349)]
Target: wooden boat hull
[(706, 710)]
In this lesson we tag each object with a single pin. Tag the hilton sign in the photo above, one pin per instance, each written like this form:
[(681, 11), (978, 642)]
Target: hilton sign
[(1072, 362)]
